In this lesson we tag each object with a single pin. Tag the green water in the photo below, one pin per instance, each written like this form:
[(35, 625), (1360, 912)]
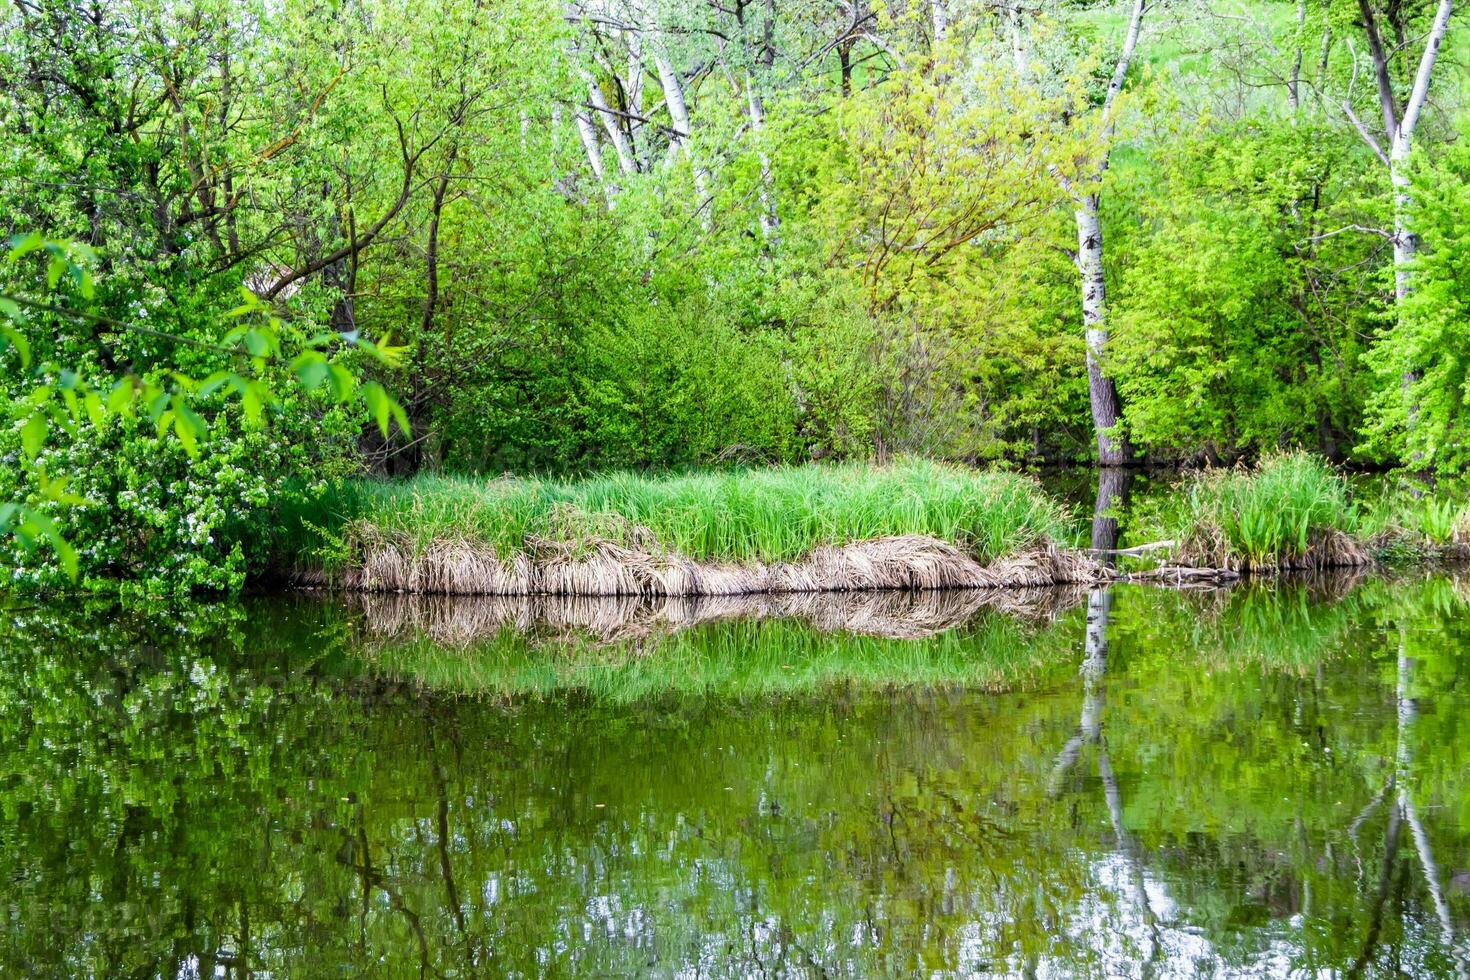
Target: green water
[(1265, 781)]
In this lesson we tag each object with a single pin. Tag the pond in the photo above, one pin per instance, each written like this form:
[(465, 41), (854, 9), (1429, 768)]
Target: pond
[(1266, 780)]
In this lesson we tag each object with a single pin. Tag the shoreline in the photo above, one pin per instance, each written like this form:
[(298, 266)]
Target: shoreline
[(909, 563)]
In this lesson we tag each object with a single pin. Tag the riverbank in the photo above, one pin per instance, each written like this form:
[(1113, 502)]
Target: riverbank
[(836, 528)]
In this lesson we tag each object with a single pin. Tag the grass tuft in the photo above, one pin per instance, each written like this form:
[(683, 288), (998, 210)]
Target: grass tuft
[(775, 514), (1291, 510)]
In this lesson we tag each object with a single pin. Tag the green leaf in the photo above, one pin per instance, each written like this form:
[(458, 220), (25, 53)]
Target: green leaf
[(259, 341), (13, 337), (376, 400), (33, 434), (23, 245), (251, 304), (188, 426), (65, 553), (216, 381), (311, 368), (342, 382), (157, 405), (95, 409), (120, 398)]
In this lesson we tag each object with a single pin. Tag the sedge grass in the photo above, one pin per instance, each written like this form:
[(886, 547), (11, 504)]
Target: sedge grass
[(1274, 515), (774, 514)]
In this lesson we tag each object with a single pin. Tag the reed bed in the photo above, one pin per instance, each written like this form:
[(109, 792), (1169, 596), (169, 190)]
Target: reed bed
[(912, 525), (1293, 511)]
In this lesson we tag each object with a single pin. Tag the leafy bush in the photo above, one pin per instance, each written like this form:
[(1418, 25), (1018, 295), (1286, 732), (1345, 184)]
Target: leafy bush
[(147, 517)]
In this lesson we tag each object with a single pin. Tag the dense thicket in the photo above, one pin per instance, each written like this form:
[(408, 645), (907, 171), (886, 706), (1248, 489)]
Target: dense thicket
[(642, 232)]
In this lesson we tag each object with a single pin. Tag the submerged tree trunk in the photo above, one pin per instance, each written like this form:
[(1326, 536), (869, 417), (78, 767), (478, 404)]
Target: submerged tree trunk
[(1107, 409)]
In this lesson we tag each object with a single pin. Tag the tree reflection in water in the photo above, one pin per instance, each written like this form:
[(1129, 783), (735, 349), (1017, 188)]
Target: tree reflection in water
[(1260, 780)]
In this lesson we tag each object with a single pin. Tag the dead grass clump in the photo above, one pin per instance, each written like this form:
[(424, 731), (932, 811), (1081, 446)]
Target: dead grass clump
[(389, 562)]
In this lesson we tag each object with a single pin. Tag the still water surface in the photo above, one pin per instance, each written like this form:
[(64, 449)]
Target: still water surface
[(1265, 781)]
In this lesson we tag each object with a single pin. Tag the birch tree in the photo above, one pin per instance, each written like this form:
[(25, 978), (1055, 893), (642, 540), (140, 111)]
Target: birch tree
[(1081, 178), (1392, 145)]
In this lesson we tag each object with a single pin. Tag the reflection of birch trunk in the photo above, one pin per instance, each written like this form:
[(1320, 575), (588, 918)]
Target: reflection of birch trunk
[(1380, 895), (1089, 732), (1408, 711)]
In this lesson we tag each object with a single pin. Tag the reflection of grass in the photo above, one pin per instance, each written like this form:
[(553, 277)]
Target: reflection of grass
[(1281, 625), (770, 514), (739, 659)]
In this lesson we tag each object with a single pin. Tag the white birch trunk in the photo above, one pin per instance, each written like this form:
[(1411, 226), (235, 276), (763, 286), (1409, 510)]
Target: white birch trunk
[(769, 221), (673, 91), (1107, 409), (1294, 80), (627, 162), (940, 13), (1402, 144), (1112, 448), (588, 132)]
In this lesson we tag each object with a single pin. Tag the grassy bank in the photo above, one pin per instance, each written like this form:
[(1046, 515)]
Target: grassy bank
[(776, 514), (913, 524)]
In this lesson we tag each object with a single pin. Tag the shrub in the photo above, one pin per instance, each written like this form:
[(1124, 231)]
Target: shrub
[(157, 521)]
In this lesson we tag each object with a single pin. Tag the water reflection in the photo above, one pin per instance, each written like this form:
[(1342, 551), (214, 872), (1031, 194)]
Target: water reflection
[(462, 620), (1252, 782)]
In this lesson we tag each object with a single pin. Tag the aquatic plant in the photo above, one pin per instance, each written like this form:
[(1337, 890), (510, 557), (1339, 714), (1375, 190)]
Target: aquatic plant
[(1294, 510), (912, 524)]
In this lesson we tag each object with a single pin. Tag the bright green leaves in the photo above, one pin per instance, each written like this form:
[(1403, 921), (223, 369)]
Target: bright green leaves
[(64, 260), (33, 434), (260, 353), (29, 527), (10, 335), (381, 406)]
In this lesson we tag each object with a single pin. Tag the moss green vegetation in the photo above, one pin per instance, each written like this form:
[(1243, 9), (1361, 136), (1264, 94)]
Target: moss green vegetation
[(774, 514)]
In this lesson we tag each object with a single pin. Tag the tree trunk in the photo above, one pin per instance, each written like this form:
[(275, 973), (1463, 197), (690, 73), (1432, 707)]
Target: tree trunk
[(1112, 493), (769, 221), (1112, 445), (673, 90)]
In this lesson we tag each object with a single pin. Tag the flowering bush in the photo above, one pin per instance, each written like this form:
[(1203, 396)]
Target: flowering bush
[(156, 520)]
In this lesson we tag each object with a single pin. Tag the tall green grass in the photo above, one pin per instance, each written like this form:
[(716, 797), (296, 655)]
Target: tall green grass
[(1262, 516), (770, 514)]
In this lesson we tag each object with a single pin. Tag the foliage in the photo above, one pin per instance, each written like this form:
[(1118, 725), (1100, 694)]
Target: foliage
[(1239, 325), (1421, 408)]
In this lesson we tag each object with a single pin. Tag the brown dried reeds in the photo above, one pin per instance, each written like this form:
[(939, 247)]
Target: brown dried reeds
[(391, 563), (463, 620)]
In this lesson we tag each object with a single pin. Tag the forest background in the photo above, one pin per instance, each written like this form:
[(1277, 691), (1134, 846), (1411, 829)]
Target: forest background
[(667, 233)]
